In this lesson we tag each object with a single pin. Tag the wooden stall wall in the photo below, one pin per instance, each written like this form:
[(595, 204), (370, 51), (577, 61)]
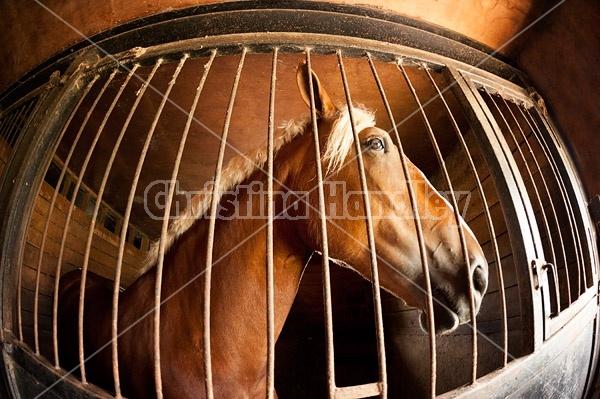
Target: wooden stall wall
[(103, 257)]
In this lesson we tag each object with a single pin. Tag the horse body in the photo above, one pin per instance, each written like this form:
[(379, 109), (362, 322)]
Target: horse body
[(238, 288)]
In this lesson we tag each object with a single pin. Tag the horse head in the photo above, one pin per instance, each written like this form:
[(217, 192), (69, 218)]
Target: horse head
[(452, 274)]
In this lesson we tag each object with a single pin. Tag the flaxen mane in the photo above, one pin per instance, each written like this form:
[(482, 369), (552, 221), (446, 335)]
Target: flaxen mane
[(339, 144)]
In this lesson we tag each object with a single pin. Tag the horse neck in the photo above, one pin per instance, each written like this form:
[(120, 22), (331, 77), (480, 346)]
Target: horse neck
[(238, 286)]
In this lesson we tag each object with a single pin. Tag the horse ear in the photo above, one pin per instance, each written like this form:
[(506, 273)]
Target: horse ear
[(323, 102)]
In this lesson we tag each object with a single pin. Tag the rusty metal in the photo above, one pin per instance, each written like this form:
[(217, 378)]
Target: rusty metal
[(538, 204), (419, 231), (165, 97), (269, 248), (211, 232), (542, 209), (49, 216), (488, 217), (123, 237), (511, 191), (67, 221), (370, 236), (329, 352), (457, 217), (575, 235), (90, 236), (66, 229)]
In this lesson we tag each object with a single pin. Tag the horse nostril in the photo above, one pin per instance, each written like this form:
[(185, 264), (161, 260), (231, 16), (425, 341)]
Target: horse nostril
[(479, 280)]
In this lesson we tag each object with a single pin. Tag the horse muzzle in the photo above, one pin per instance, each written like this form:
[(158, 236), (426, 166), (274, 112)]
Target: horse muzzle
[(451, 309)]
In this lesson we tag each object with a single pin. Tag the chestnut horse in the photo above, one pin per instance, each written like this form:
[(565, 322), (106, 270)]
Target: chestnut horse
[(238, 294)]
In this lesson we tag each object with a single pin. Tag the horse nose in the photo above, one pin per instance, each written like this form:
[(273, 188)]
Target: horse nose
[(479, 277)]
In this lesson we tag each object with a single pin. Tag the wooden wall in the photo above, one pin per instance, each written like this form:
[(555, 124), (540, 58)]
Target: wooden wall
[(102, 258)]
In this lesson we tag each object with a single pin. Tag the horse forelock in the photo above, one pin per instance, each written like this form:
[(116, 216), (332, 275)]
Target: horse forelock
[(239, 168), (341, 138)]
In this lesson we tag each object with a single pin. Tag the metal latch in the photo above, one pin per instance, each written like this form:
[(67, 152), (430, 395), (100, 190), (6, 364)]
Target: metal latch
[(540, 268)]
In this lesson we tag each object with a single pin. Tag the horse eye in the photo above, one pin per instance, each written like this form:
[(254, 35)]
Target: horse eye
[(376, 144)]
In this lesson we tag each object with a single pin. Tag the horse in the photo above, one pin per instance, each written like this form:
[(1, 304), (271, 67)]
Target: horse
[(238, 324)]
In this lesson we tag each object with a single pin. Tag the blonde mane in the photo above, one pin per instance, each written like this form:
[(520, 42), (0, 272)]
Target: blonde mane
[(239, 168)]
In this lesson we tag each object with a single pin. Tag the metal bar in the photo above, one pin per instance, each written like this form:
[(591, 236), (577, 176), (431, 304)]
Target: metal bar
[(488, 218), (11, 111), (10, 124), (7, 124), (165, 96), (330, 351), (358, 391), (21, 173), (21, 122), (463, 242), (18, 124), (123, 238), (269, 249), (31, 107), (174, 175), (419, 231), (94, 217), (545, 224), (211, 232), (3, 124), (551, 202), (513, 197), (49, 215), (370, 236), (67, 220), (535, 128), (570, 207)]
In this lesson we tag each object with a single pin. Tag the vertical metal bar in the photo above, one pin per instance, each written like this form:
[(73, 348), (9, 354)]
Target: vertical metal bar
[(94, 217), (545, 224), (49, 216), (67, 220), (509, 183), (123, 238), (419, 231), (166, 216), (10, 125), (18, 124), (330, 351), (165, 97), (370, 235), (563, 187), (269, 249), (463, 242), (215, 194), (11, 112), (550, 200), (70, 212), (21, 122), (488, 217), (3, 124), (30, 108)]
